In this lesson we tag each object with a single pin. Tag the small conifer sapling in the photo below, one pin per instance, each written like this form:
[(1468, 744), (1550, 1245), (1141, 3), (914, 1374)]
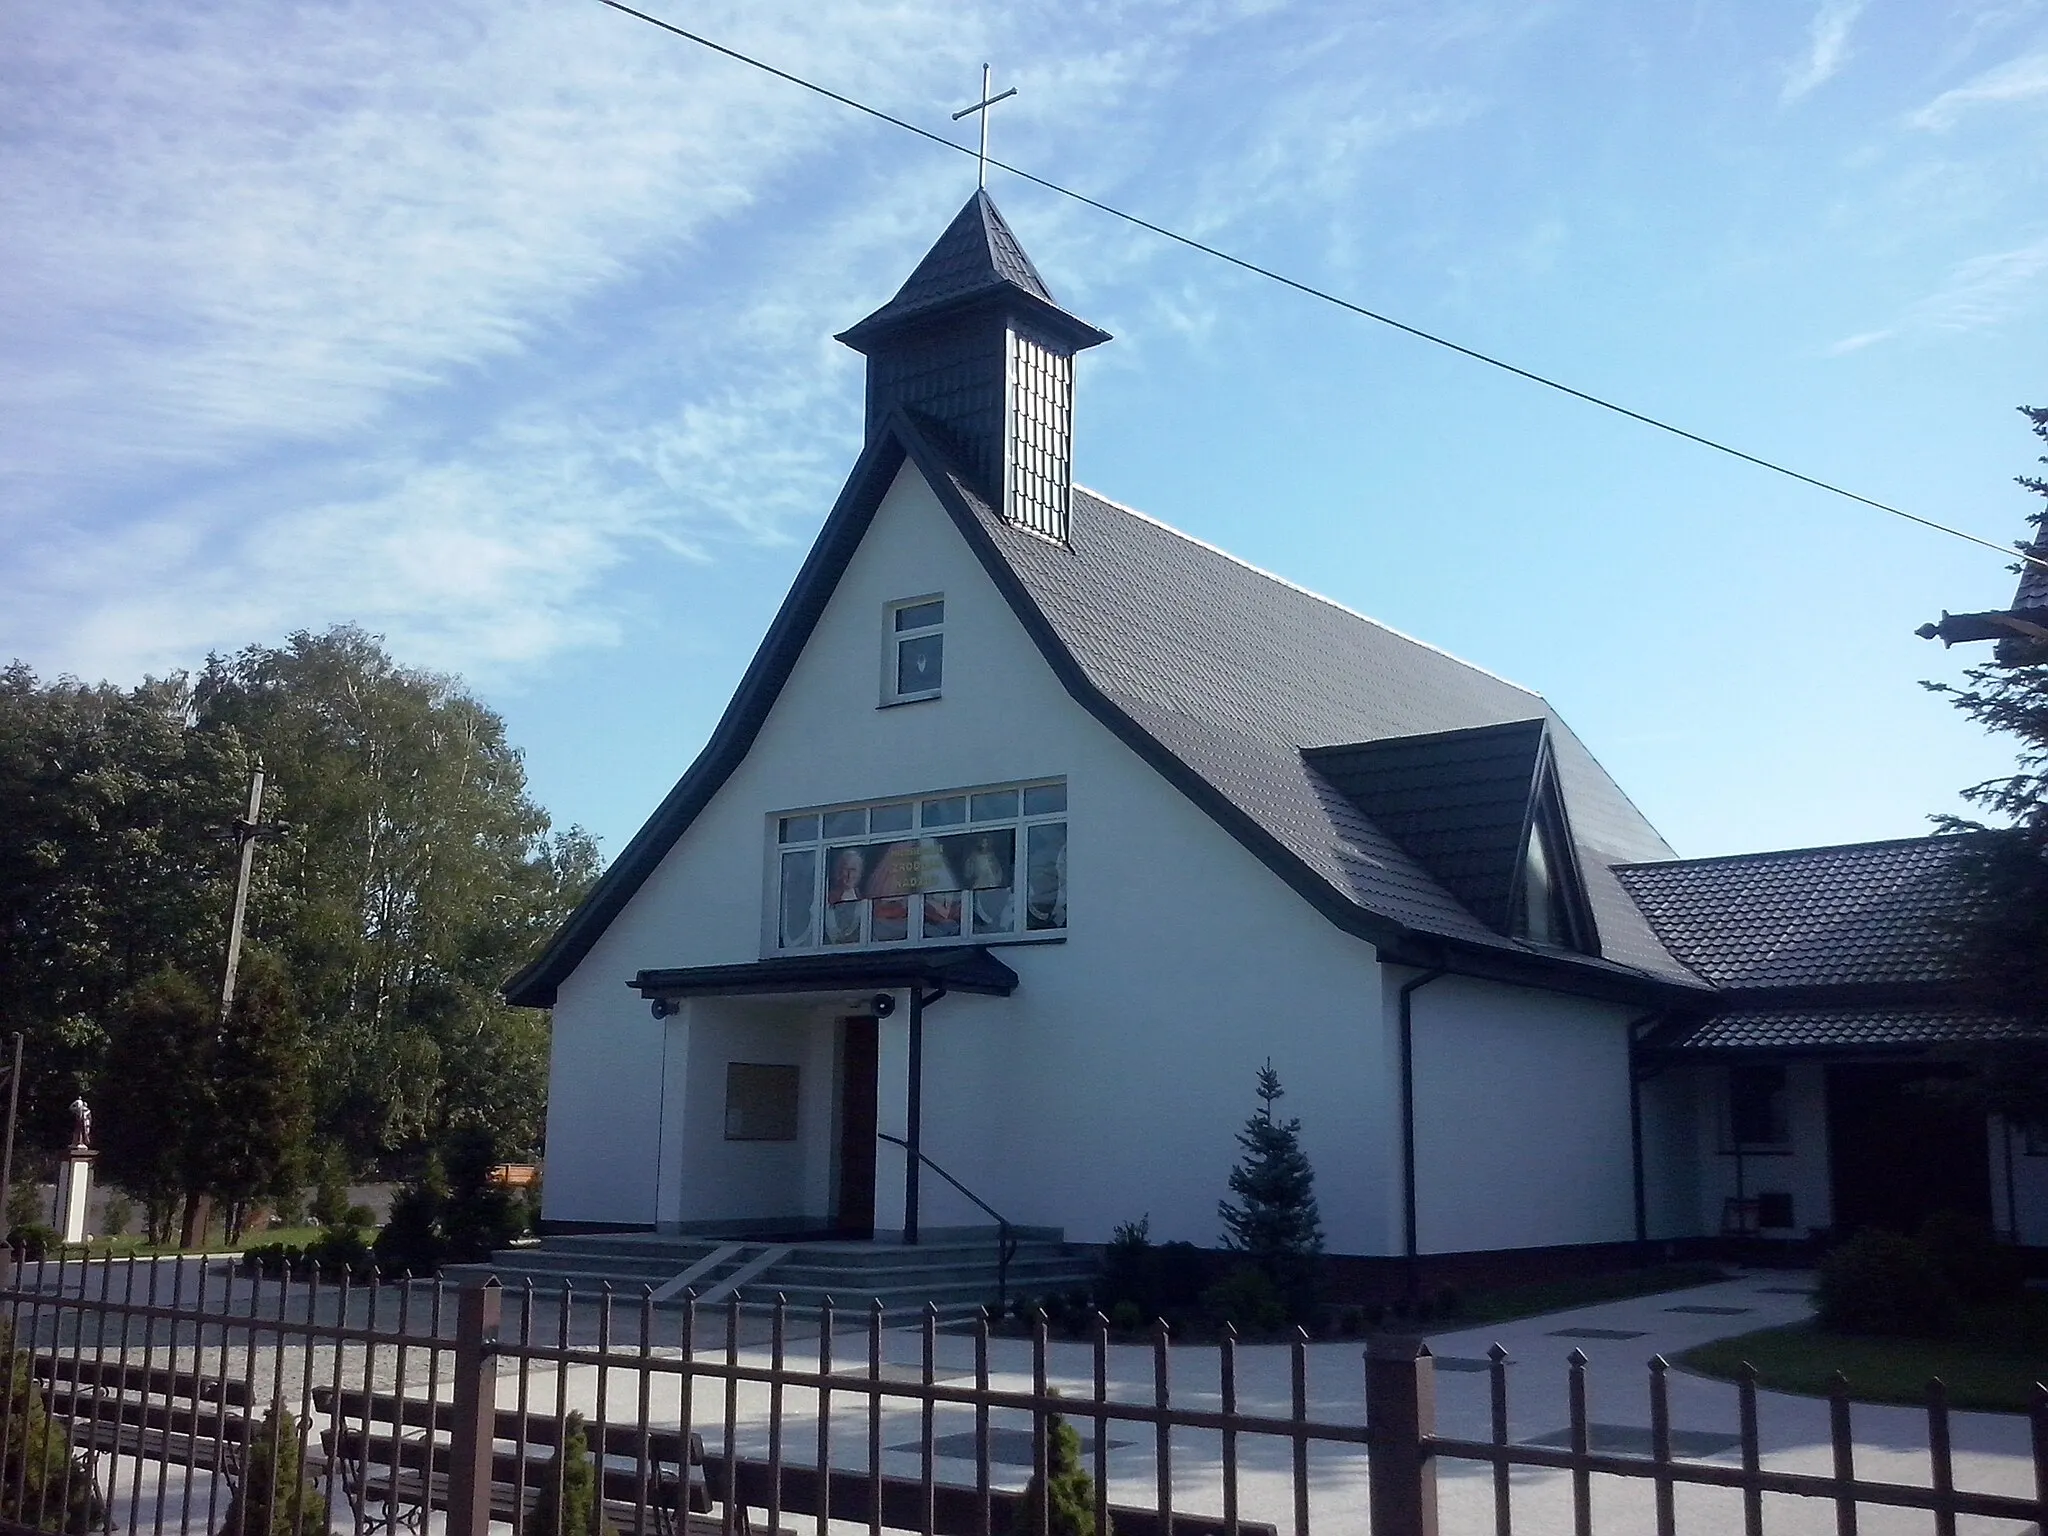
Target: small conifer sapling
[(1273, 1221)]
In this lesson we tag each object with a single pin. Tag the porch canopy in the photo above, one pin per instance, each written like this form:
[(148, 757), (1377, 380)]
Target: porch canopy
[(1820, 1029), (927, 974), (937, 968)]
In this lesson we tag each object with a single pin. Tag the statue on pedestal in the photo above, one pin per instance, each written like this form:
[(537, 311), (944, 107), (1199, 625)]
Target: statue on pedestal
[(81, 1124)]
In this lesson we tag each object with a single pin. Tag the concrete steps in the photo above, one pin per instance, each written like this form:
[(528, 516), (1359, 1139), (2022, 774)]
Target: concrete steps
[(955, 1273)]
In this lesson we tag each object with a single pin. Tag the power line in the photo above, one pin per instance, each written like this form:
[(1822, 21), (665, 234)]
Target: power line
[(1327, 297)]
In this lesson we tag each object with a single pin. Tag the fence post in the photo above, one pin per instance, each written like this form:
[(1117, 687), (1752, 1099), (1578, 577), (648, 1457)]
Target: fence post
[(1400, 1416), (476, 1406)]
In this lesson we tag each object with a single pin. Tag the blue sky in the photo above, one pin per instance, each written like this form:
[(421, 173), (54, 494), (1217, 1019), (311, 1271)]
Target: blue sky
[(504, 329)]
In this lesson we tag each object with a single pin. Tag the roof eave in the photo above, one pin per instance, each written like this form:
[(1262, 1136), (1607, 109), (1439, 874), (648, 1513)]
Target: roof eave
[(1000, 296)]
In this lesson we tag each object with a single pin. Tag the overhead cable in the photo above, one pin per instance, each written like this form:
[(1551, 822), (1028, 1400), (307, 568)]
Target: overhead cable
[(1323, 294)]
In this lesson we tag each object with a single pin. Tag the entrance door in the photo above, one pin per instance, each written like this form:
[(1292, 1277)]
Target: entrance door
[(1900, 1153), (854, 1212)]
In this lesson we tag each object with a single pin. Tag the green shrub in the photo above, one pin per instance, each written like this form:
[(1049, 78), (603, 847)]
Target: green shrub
[(119, 1212), (1125, 1317), (1977, 1266), (1247, 1299), (580, 1511), (411, 1241), (330, 1192), (282, 1500), (36, 1458), (25, 1206), (1070, 1508), (340, 1250), (33, 1240), (287, 1210), (1882, 1283), (480, 1215)]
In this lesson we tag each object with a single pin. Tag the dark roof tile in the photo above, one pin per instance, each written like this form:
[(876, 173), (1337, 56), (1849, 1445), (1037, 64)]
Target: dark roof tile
[(1880, 1028), (1867, 913), (1235, 671)]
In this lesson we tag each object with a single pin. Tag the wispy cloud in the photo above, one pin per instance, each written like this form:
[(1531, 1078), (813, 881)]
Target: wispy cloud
[(1984, 291), (2022, 79), (416, 317), (1826, 50)]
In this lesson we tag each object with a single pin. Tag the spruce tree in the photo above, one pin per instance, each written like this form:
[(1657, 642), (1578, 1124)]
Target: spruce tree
[(1072, 1501), (36, 1459), (281, 1498), (1274, 1221), (578, 1510), (1998, 933)]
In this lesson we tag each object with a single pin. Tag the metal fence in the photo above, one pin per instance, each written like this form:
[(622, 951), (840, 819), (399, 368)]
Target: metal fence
[(182, 1386)]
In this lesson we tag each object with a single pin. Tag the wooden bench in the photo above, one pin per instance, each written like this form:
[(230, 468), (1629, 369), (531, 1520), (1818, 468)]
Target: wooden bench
[(392, 1456), (955, 1511), (111, 1407)]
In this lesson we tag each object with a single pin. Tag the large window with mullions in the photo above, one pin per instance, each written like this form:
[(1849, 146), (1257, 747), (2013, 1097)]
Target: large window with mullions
[(953, 868)]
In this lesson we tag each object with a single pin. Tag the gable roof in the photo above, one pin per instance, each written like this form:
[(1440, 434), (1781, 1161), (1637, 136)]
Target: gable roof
[(1217, 674), (1235, 672), (1460, 801), (1860, 915)]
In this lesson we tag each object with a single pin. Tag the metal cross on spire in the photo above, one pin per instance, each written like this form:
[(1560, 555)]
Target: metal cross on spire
[(982, 106)]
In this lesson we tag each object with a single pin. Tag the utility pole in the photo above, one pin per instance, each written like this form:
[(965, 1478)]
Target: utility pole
[(246, 832)]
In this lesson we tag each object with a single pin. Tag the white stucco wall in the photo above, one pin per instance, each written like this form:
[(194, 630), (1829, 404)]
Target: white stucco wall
[(1671, 1162), (2027, 1180), (1802, 1168), (1521, 1118), (1113, 1082)]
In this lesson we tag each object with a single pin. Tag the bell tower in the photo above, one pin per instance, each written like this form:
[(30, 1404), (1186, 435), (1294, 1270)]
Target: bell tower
[(974, 346)]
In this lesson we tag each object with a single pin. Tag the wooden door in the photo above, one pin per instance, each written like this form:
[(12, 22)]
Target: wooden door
[(854, 1212)]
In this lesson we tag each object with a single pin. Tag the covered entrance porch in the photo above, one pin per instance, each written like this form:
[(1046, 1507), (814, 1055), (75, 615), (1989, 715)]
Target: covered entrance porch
[(1814, 1122), (793, 1091)]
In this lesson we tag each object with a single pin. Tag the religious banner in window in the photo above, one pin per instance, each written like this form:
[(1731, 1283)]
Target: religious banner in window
[(952, 873)]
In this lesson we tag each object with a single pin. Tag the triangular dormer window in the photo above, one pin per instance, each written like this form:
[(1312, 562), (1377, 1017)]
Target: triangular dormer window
[(1481, 811), (1550, 903)]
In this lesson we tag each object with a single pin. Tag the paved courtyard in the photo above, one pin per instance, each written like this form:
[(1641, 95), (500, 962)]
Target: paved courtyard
[(1991, 1450)]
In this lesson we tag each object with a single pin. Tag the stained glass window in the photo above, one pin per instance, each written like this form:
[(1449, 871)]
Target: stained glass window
[(949, 867)]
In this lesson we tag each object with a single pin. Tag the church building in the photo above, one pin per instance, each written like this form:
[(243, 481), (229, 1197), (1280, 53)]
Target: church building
[(1036, 827)]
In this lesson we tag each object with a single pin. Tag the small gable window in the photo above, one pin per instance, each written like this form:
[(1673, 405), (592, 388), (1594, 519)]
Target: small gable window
[(914, 650), (1543, 907)]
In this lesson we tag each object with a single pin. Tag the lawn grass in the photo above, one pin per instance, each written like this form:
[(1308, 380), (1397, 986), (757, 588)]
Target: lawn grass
[(135, 1247), (1515, 1301), (1992, 1364)]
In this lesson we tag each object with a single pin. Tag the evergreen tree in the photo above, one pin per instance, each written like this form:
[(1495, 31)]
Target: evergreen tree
[(2000, 934), (36, 1458), (155, 1093), (578, 1511), (1274, 1221), (412, 1242), (282, 1500), (480, 1216), (1072, 1500), (256, 1141)]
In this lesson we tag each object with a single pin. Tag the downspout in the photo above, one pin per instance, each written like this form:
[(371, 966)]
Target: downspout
[(2012, 1202), (914, 1110), (1408, 1215), (1637, 1028)]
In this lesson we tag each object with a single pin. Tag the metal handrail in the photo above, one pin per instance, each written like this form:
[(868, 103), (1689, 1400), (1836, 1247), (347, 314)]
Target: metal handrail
[(1006, 1237)]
